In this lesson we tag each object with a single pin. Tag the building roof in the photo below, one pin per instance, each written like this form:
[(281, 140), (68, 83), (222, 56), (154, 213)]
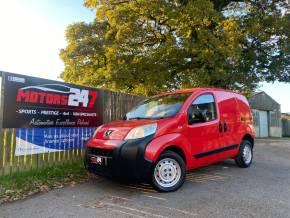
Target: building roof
[(262, 101)]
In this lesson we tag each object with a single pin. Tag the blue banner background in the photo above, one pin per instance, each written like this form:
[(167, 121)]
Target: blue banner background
[(42, 140)]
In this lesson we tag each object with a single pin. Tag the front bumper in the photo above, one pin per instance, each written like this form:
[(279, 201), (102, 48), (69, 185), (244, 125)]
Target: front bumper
[(125, 161)]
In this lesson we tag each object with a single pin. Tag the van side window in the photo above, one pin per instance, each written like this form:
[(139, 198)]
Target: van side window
[(202, 109)]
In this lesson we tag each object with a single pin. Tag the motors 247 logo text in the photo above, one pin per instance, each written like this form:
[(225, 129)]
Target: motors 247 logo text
[(56, 94)]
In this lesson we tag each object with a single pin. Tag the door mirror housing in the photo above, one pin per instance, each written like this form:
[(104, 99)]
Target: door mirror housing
[(195, 116)]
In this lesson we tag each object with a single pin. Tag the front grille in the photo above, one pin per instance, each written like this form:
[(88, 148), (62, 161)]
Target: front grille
[(105, 168), (100, 152)]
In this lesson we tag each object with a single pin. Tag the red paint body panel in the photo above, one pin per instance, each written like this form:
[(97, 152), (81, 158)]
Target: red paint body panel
[(104, 144), (201, 143), (159, 144), (120, 128)]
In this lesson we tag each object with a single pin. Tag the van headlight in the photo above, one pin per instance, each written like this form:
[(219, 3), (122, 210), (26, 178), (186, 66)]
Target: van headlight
[(141, 131)]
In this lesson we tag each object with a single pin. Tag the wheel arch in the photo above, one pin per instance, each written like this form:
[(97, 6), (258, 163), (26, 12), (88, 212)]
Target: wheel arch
[(177, 149), (249, 138), (174, 142)]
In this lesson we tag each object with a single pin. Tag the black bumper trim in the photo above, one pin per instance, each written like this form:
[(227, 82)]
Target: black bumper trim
[(127, 161), (215, 151)]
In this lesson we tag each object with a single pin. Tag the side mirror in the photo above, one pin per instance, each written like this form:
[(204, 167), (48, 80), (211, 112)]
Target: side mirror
[(195, 116)]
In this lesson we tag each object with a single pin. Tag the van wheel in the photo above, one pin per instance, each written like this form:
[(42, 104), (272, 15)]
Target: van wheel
[(169, 172), (245, 155)]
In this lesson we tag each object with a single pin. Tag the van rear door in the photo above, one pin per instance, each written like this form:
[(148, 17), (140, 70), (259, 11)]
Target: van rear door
[(229, 120)]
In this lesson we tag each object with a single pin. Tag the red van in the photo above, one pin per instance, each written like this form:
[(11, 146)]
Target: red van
[(167, 134)]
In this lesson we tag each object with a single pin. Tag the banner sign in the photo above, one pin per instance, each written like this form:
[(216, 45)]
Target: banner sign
[(45, 140), (33, 102)]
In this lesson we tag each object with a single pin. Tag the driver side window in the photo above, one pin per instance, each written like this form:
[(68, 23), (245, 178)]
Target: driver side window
[(202, 109)]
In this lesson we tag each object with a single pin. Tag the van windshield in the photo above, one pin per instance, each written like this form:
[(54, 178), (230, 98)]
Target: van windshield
[(158, 107)]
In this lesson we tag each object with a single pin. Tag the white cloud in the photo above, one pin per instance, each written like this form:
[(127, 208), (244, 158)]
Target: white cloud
[(29, 42)]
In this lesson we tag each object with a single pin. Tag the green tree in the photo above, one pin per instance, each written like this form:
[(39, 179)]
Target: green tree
[(144, 47)]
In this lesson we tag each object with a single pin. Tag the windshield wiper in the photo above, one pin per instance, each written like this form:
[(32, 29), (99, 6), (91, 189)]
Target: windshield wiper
[(159, 118), (139, 118)]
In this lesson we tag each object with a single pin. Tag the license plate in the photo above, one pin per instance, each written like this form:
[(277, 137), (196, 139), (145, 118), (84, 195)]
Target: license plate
[(97, 160)]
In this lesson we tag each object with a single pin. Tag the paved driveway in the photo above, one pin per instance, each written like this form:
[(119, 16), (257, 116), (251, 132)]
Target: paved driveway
[(220, 190)]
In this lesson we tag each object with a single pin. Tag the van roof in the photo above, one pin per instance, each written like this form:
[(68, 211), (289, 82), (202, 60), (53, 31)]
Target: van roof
[(198, 90)]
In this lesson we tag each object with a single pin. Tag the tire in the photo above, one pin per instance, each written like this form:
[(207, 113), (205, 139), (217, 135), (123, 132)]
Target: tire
[(245, 155), (169, 172)]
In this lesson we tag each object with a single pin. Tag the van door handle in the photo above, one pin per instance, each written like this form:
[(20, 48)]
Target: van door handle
[(220, 127), (225, 127)]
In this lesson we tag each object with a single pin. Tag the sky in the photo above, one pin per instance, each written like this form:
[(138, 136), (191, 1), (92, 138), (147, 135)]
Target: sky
[(32, 32)]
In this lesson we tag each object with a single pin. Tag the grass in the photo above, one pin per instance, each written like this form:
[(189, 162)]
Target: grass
[(20, 185)]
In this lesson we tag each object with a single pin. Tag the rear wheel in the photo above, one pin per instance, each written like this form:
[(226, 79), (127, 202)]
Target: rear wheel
[(245, 155), (169, 172)]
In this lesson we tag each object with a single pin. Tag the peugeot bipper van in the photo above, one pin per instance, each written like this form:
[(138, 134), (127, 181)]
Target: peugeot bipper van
[(170, 133)]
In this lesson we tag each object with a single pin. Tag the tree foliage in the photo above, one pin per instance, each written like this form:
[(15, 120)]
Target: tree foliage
[(148, 46)]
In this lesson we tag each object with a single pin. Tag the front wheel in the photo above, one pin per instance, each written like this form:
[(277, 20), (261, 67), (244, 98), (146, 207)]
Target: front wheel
[(245, 155), (169, 172)]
